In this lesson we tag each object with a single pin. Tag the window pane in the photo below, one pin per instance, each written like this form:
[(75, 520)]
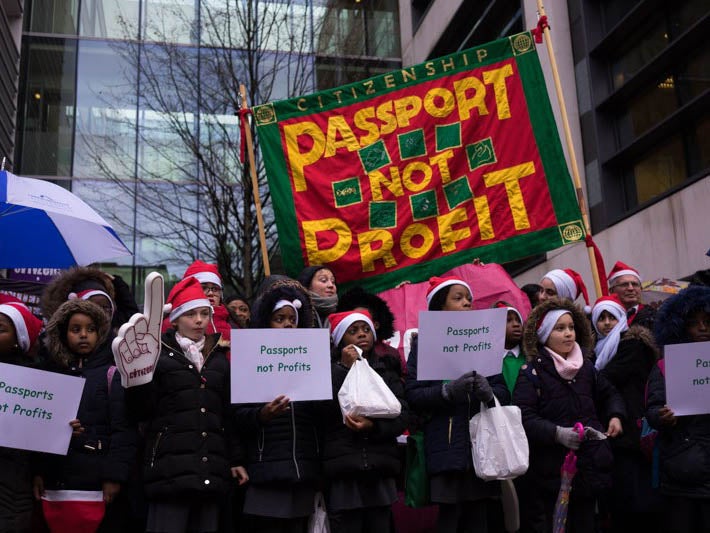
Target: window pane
[(116, 19), (105, 112), (647, 110), (53, 16), (46, 117), (171, 21), (639, 55), (661, 170)]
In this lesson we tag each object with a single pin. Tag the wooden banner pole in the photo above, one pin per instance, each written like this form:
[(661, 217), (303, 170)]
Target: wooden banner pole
[(255, 184), (570, 147)]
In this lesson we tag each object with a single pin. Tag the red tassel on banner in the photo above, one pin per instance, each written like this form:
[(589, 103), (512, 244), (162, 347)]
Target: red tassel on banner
[(540, 30), (599, 260), (243, 125)]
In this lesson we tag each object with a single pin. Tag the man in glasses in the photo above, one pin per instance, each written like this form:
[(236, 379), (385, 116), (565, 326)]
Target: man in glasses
[(625, 282)]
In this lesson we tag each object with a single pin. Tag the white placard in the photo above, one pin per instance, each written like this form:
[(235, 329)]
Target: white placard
[(36, 407), (269, 362), (688, 378), (452, 343)]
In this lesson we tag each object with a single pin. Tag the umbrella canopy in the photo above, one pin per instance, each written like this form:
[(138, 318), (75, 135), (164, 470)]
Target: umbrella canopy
[(45, 225), (661, 289)]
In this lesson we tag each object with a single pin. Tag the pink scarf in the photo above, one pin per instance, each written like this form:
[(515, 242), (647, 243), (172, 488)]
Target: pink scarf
[(568, 367), (192, 350)]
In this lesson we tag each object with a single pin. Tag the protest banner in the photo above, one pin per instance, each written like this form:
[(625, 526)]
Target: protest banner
[(36, 407), (408, 174), (688, 378), (453, 343), (269, 362)]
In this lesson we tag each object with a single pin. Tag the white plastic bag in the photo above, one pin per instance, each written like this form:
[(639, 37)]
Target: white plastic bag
[(364, 393), (498, 443), (318, 521)]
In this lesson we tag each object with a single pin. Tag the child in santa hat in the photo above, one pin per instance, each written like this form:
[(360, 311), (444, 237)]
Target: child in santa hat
[(19, 330), (557, 388), (103, 445), (463, 499), (210, 280), (360, 459), (281, 437), (625, 356), (192, 453)]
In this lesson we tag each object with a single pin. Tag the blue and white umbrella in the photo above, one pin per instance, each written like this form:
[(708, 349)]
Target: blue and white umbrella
[(45, 225)]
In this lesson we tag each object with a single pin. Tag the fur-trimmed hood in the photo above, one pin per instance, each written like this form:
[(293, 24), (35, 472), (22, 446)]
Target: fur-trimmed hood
[(644, 335), (57, 328), (669, 327), (283, 289), (582, 327), (73, 280)]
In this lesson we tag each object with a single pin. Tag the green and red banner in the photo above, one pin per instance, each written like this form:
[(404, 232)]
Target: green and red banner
[(409, 174)]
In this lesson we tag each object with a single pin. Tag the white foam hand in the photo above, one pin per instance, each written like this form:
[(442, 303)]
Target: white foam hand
[(136, 348)]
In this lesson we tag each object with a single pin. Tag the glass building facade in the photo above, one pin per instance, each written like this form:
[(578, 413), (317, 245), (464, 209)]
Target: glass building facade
[(119, 99)]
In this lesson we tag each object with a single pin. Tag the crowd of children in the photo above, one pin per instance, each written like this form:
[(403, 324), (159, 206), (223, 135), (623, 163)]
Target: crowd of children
[(174, 455)]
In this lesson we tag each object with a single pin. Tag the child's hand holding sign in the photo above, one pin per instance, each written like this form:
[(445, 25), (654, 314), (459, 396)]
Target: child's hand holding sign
[(136, 348)]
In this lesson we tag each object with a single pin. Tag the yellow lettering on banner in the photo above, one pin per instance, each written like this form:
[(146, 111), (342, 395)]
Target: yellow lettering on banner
[(447, 64), (389, 81), (478, 100), (439, 94), (483, 214), (360, 119), (511, 178), (442, 161), (378, 179), (430, 69), (410, 169), (318, 256), (497, 78), (338, 126), (411, 231), (384, 113), (301, 104), (406, 108), (298, 160), (337, 96), (409, 75), (481, 54), (448, 236), (368, 255)]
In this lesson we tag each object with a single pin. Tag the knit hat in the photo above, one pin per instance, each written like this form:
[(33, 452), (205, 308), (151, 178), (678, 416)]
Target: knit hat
[(186, 295), (436, 284), (295, 305), (27, 326), (569, 284), (306, 275), (340, 322), (622, 269), (204, 273), (500, 304), (88, 293)]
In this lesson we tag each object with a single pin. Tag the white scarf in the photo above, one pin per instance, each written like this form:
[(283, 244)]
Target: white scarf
[(567, 367), (607, 347), (192, 350)]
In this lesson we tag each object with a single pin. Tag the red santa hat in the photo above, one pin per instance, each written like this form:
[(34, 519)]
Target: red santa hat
[(569, 284), (610, 303), (186, 295), (204, 273), (27, 326), (88, 293), (436, 284), (622, 269), (340, 322)]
